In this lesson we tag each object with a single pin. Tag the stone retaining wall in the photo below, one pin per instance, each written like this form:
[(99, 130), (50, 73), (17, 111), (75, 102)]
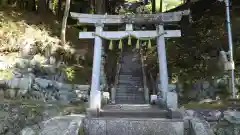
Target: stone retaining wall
[(38, 88), (130, 126)]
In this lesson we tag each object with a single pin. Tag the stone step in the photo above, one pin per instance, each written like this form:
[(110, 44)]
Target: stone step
[(122, 88), (134, 110), (129, 91), (130, 79), (123, 81), (129, 94), (133, 92), (133, 114), (130, 98), (136, 107), (129, 76), (130, 72), (133, 126), (138, 98), (136, 74), (124, 101), (129, 85), (131, 59), (130, 66)]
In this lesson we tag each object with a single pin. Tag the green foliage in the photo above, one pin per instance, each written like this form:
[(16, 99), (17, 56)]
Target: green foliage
[(70, 72), (6, 74), (3, 3), (194, 56)]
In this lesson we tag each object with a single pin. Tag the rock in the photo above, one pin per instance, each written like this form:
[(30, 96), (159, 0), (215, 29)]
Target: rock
[(13, 83), (200, 127), (215, 114), (192, 94), (22, 92), (232, 119), (52, 60), (66, 96), (2, 94), (26, 82), (60, 125), (63, 86), (38, 59), (190, 113), (232, 116), (17, 118), (82, 94), (22, 63), (206, 101), (34, 63), (43, 82), (28, 131), (36, 95), (3, 65), (12, 93), (20, 83), (17, 74), (205, 84), (49, 69), (81, 87), (73, 129)]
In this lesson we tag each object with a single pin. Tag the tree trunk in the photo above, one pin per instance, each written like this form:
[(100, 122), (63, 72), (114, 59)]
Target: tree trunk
[(100, 6), (161, 5), (42, 6), (92, 6), (153, 6), (64, 22), (31, 5), (59, 8)]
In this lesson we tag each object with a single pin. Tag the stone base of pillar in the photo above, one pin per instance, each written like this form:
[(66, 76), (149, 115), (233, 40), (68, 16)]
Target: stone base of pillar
[(174, 114), (93, 112), (95, 99)]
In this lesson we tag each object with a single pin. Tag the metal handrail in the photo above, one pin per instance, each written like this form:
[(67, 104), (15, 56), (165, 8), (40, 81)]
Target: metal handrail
[(116, 80), (154, 89), (145, 87), (119, 65)]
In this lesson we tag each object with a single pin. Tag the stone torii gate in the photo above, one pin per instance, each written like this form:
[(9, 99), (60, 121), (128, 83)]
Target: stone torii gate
[(160, 34)]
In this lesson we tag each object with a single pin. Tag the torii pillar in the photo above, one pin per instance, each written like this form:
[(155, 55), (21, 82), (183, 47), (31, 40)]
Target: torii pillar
[(95, 93)]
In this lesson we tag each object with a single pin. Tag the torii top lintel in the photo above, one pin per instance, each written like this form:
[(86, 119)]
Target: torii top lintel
[(170, 17)]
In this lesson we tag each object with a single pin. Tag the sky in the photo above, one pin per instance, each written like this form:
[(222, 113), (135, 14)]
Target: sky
[(167, 4)]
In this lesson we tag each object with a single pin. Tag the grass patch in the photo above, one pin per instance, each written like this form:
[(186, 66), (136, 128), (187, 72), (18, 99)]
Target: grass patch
[(195, 105)]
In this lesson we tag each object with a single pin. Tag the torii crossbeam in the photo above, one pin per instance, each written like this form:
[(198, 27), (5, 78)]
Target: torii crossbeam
[(100, 20)]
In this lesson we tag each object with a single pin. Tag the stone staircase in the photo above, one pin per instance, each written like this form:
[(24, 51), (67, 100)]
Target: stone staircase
[(129, 88)]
